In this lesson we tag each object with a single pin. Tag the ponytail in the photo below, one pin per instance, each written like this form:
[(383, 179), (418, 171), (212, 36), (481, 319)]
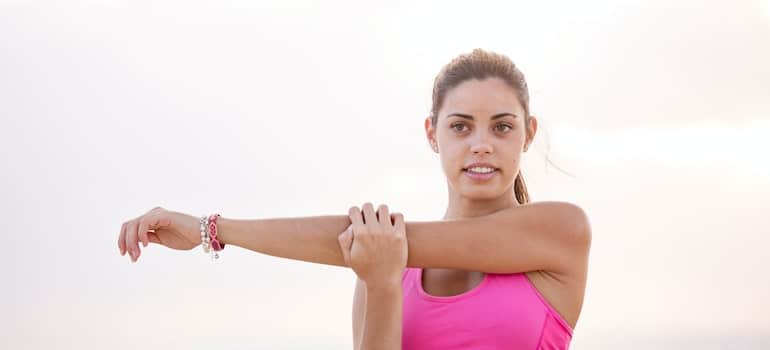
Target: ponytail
[(520, 189)]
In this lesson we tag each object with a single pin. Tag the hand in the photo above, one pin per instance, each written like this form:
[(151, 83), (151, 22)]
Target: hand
[(375, 245), (169, 228)]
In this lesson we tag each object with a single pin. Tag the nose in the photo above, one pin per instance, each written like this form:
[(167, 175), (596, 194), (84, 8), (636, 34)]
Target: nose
[(481, 144)]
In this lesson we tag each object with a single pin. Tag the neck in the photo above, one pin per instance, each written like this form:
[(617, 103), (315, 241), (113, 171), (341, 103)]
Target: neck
[(463, 207)]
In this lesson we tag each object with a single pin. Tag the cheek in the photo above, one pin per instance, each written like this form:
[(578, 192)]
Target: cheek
[(512, 162), (519, 138), (451, 163), (447, 163)]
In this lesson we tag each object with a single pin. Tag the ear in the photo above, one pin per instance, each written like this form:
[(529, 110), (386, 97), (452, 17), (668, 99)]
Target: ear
[(430, 133), (531, 131)]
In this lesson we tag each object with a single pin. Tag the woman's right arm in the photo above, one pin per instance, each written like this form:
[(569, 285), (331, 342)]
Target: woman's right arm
[(308, 238), (551, 236)]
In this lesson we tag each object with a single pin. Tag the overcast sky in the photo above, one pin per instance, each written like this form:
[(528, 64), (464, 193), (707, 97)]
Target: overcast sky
[(659, 110)]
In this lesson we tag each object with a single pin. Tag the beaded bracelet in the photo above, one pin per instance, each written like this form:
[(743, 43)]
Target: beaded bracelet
[(204, 233)]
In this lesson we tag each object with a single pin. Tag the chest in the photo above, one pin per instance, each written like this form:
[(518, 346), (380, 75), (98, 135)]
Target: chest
[(439, 282), (478, 311)]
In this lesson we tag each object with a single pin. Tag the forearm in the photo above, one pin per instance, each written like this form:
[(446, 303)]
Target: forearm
[(314, 238), (310, 238), (383, 318)]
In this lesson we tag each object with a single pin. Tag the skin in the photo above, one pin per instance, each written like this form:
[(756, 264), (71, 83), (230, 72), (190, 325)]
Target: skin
[(461, 140), (376, 248), (549, 241)]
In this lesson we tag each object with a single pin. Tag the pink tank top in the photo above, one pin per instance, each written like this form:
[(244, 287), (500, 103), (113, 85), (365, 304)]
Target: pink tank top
[(505, 311)]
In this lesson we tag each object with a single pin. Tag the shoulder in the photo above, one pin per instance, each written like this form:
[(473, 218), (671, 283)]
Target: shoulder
[(563, 232), (567, 220)]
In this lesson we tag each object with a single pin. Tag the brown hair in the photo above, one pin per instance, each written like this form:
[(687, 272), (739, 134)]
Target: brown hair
[(481, 64)]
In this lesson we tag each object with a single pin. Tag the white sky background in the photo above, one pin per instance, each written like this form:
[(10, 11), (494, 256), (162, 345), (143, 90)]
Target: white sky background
[(109, 108)]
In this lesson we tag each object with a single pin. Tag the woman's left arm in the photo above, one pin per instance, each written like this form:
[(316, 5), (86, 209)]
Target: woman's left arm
[(383, 318), (375, 247)]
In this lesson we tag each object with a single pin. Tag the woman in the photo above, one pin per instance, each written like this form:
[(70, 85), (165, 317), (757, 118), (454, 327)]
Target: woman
[(496, 272)]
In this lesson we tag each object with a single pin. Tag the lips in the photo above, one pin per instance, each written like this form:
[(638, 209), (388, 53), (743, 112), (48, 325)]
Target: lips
[(479, 177), (480, 165), (493, 169), (468, 170)]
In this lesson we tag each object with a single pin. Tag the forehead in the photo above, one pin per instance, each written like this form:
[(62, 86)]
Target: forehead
[(482, 98)]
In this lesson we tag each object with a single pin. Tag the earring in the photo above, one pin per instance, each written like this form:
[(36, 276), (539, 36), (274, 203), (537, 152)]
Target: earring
[(435, 148)]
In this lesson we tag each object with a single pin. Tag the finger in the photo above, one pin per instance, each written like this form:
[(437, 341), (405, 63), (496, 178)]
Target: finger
[(346, 242), (398, 220), (383, 215), (132, 246), (370, 218), (122, 239), (153, 237), (146, 223), (355, 217)]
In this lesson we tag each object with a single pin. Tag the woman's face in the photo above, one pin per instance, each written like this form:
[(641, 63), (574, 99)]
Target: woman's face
[(481, 122)]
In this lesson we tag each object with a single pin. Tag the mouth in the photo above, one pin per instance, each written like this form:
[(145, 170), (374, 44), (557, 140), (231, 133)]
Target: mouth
[(481, 172), (484, 169), (480, 175)]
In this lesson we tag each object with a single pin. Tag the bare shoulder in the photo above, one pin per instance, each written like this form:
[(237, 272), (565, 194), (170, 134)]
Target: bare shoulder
[(565, 290), (572, 229), (571, 219)]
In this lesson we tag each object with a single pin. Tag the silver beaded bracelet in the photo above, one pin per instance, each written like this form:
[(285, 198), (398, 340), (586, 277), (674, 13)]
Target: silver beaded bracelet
[(205, 240)]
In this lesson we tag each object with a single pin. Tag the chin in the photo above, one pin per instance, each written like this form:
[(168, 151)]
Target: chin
[(481, 192)]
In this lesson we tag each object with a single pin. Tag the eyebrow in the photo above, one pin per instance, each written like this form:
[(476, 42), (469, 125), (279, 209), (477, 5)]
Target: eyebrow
[(466, 116)]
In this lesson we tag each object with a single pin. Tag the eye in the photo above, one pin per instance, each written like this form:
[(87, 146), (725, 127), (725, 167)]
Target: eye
[(455, 125), (505, 125)]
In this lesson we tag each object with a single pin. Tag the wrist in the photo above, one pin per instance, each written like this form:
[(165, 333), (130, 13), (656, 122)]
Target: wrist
[(224, 231), (383, 286)]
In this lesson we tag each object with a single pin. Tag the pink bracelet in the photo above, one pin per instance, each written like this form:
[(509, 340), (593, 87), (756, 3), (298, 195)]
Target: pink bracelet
[(215, 244)]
